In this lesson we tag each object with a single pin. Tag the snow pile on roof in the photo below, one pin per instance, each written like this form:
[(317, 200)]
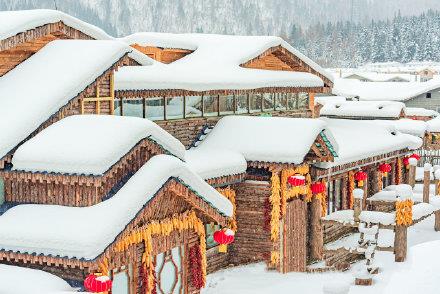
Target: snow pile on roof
[(358, 139), (385, 109), (212, 163), (15, 22), (420, 273), (19, 280), (418, 111), (89, 144), (380, 91), (329, 99), (434, 125), (37, 88), (380, 77), (65, 231), (270, 139), (214, 65), (407, 126)]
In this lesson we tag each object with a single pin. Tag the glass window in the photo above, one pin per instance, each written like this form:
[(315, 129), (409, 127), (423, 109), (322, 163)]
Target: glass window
[(169, 271), (211, 106), (121, 283), (210, 229), (155, 108), (255, 102), (174, 108), (268, 101), (242, 103), (303, 100), (132, 107), (2, 190), (281, 101), (193, 106), (292, 101), (117, 104), (226, 104)]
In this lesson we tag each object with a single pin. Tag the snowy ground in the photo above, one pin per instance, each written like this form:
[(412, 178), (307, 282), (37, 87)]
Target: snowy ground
[(402, 278)]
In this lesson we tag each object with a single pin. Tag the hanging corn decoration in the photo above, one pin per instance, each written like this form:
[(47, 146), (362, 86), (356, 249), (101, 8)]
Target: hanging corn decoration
[(404, 212)]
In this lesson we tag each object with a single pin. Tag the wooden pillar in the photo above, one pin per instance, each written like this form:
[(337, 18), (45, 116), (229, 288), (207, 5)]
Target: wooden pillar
[(426, 182), (316, 231), (412, 175), (357, 208), (374, 181), (436, 183), (393, 172), (344, 193), (437, 221), (400, 243), (365, 188)]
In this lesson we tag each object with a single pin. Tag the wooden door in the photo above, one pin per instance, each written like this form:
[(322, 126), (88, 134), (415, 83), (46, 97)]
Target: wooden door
[(295, 237), (170, 271)]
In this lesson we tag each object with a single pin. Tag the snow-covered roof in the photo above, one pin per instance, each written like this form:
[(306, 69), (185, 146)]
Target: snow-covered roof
[(37, 88), (407, 126), (211, 163), (379, 77), (270, 139), (373, 109), (381, 91), (19, 280), (65, 231), (326, 99), (15, 22), (89, 144), (434, 125), (418, 111), (358, 139), (214, 65)]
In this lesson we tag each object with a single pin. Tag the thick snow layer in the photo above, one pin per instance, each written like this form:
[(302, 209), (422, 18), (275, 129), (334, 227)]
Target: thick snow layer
[(87, 144), (358, 139), (342, 216), (407, 126), (271, 139), (421, 210), (377, 217), (418, 111), (351, 242), (66, 231), (48, 80), (434, 125), (214, 65), (380, 91), (214, 163), (378, 77), (20, 280), (329, 99), (14, 22), (375, 109), (420, 174)]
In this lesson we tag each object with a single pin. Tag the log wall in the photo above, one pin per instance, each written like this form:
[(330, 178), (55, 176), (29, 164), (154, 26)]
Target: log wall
[(217, 260), (334, 231), (164, 55), (75, 190)]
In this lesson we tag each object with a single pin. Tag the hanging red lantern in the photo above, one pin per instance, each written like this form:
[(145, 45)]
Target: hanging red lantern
[(318, 187), (385, 168), (297, 180), (415, 155), (360, 177), (406, 161), (96, 284), (224, 237)]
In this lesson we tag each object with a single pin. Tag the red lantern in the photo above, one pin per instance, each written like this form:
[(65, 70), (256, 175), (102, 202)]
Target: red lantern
[(360, 177), (406, 160), (318, 187), (385, 168), (224, 237), (416, 156), (97, 284), (296, 180)]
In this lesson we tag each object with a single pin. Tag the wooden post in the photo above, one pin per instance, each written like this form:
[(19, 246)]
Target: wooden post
[(357, 208), (437, 221), (426, 182), (436, 183), (412, 175), (400, 243), (365, 188), (316, 232)]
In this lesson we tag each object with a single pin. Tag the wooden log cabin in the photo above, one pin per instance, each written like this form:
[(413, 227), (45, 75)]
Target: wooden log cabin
[(79, 161), (274, 149), (149, 237), (223, 75)]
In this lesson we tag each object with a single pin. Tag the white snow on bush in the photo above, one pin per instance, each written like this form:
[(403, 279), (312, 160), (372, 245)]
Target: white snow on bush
[(14, 22), (20, 280), (270, 139), (371, 109), (214, 65), (85, 232), (214, 163), (358, 139), (89, 144), (37, 88), (382, 91)]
